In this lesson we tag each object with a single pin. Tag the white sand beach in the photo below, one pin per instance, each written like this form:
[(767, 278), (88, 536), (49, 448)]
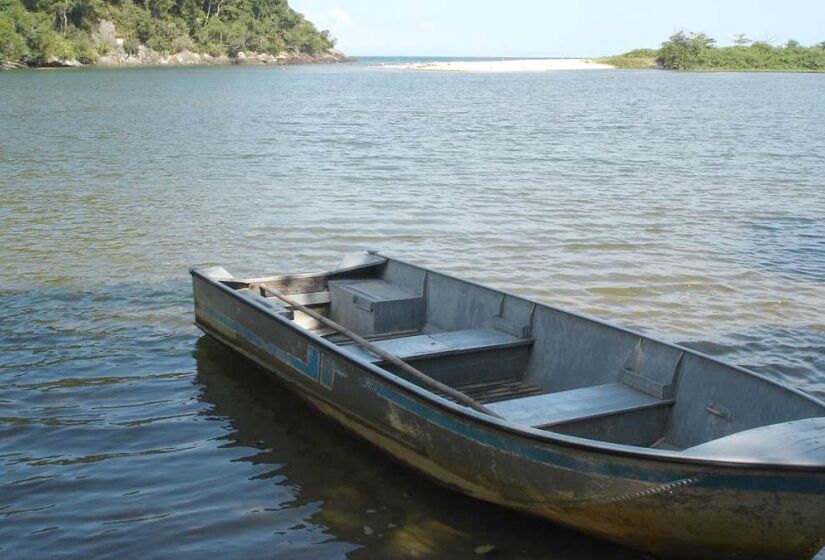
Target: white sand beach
[(486, 66)]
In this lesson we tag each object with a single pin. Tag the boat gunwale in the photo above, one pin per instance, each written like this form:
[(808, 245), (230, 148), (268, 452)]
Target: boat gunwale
[(652, 338), (590, 445)]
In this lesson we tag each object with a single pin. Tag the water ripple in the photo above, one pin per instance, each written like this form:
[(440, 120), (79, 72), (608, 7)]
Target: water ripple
[(657, 200)]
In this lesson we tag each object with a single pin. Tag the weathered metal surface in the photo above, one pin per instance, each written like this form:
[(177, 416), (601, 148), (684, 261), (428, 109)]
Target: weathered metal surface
[(391, 358), (795, 442), (442, 344), (578, 404), (375, 306), (669, 503)]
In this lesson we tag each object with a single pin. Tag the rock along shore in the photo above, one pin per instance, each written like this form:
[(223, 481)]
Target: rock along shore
[(148, 57)]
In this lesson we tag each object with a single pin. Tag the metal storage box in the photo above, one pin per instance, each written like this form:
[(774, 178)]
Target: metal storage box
[(371, 307)]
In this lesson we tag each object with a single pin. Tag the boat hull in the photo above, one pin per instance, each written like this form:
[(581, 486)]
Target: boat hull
[(675, 509)]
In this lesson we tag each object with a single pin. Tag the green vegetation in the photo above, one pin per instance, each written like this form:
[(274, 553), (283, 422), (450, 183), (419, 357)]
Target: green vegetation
[(638, 58), (37, 31), (697, 51)]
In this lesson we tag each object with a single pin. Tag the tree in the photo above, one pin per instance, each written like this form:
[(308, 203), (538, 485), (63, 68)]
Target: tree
[(741, 40), (326, 36), (12, 45), (159, 8), (190, 11), (61, 9), (682, 51), (701, 41), (82, 13)]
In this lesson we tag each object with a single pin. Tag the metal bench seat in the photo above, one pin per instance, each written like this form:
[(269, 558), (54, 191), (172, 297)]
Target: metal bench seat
[(550, 409), (441, 344)]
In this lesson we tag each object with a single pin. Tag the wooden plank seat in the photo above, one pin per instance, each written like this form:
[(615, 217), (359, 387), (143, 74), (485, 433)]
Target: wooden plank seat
[(550, 409), (438, 344)]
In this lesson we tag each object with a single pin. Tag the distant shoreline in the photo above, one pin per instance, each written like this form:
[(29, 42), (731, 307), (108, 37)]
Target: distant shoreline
[(502, 66), (148, 58)]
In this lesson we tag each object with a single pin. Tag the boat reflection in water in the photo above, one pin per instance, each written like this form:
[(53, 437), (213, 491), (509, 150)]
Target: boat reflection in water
[(344, 497)]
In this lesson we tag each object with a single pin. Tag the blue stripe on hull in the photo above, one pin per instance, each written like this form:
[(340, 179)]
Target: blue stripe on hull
[(648, 472)]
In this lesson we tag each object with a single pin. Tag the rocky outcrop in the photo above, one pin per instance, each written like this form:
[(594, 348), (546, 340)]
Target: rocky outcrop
[(54, 62), (106, 36), (144, 56), (9, 65), (147, 57), (330, 56)]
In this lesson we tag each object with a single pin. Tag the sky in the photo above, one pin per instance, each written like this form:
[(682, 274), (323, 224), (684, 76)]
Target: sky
[(550, 28)]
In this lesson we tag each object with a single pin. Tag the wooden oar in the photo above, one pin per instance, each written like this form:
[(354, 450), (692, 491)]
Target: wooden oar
[(391, 358)]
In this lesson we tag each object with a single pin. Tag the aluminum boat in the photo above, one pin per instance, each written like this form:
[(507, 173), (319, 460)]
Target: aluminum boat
[(535, 408)]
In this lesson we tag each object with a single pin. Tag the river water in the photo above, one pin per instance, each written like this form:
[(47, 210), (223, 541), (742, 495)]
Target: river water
[(689, 205)]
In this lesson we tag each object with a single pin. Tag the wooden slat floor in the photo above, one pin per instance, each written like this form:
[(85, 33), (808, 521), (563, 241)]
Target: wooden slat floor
[(499, 390)]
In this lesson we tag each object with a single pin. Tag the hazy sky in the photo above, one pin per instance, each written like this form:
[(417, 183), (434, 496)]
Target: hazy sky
[(551, 28)]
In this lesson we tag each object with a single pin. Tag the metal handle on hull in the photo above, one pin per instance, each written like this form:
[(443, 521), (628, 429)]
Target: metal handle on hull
[(391, 358)]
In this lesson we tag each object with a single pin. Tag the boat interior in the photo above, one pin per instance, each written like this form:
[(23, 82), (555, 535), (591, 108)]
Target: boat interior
[(544, 368)]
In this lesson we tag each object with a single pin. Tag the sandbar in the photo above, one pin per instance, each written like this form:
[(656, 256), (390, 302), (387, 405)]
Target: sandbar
[(509, 65)]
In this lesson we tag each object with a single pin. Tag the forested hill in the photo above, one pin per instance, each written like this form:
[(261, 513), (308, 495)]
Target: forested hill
[(37, 32)]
